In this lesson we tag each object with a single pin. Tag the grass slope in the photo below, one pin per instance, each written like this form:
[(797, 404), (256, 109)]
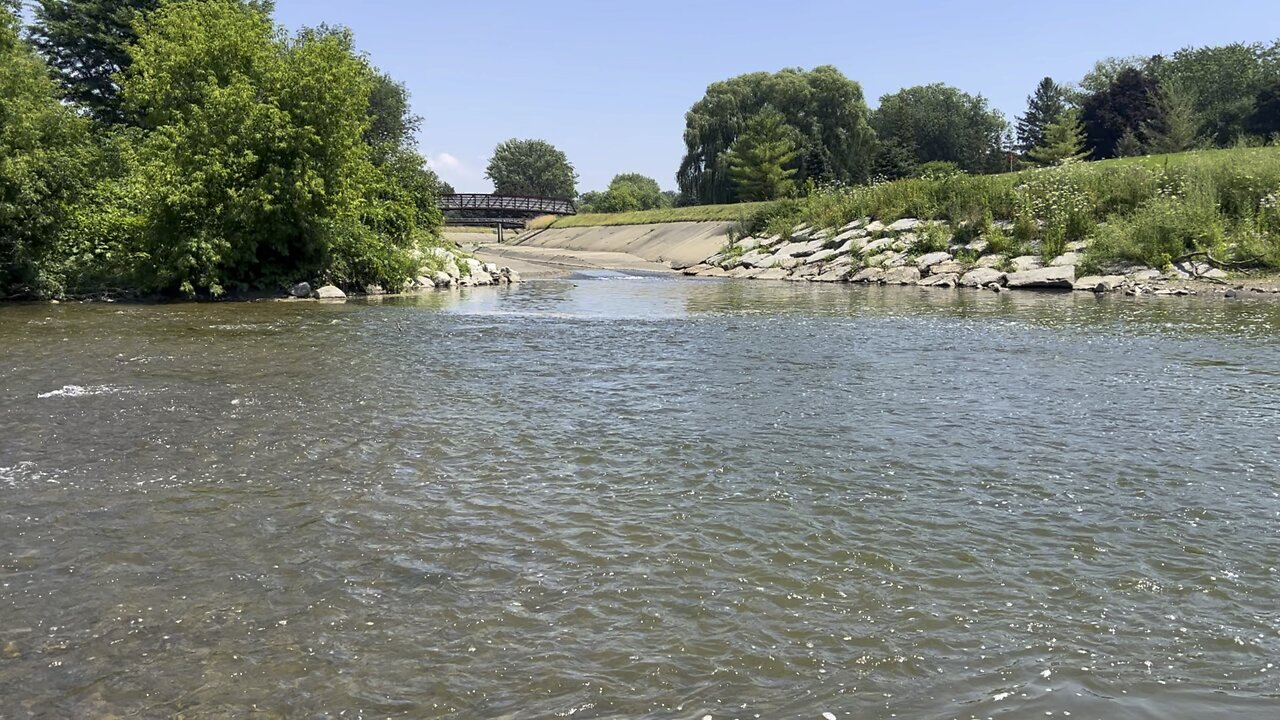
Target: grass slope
[(697, 213)]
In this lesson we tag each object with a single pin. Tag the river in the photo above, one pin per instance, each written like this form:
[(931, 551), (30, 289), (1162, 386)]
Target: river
[(613, 497)]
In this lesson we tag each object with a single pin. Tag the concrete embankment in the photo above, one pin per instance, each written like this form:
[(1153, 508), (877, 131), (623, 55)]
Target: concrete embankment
[(679, 243)]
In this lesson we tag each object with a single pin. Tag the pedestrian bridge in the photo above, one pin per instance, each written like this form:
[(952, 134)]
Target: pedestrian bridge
[(500, 210)]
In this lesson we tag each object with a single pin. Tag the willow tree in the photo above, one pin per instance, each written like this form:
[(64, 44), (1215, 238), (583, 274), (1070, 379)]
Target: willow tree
[(834, 142)]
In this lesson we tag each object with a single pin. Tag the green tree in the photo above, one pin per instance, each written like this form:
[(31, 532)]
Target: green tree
[(1063, 141), (827, 110), (1044, 108), (1120, 113), (531, 167), (1265, 119), (255, 167), (1177, 123), (44, 157), (1221, 84), (760, 160), (627, 192), (932, 123)]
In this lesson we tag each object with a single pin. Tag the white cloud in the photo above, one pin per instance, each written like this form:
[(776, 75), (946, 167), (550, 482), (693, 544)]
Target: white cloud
[(463, 176)]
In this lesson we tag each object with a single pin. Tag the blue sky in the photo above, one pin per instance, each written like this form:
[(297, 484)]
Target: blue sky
[(609, 83)]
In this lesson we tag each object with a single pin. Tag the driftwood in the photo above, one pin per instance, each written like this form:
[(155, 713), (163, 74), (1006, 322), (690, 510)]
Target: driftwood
[(1220, 264)]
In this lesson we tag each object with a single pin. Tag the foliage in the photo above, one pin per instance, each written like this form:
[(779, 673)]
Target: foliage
[(44, 155), (628, 192), (760, 160), (1176, 125), (939, 123), (1123, 109), (1044, 108), (827, 110), (1062, 141), (1142, 210), (531, 167), (1221, 85)]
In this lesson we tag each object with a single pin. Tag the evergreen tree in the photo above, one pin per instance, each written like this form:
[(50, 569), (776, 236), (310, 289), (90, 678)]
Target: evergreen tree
[(1044, 108), (1174, 129), (1063, 141), (759, 158)]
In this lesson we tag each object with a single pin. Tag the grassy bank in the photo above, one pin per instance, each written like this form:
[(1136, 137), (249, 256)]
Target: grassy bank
[(698, 213), (1148, 210)]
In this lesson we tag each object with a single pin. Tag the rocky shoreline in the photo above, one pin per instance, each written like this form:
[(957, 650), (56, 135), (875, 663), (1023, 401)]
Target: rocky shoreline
[(868, 251), (454, 272)]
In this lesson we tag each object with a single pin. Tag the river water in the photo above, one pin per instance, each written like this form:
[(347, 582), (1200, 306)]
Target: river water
[(611, 497)]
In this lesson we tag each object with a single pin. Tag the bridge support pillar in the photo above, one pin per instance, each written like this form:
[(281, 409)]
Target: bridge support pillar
[(499, 233)]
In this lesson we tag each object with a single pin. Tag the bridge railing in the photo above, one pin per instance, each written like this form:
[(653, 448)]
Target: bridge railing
[(507, 203)]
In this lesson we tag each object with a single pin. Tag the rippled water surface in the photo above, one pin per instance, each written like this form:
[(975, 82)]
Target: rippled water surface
[(642, 498)]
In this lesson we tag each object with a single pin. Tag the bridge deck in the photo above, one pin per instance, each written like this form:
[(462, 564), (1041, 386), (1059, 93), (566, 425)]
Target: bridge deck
[(501, 204)]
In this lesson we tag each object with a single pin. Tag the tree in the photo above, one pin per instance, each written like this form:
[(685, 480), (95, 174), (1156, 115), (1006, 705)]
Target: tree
[(932, 123), (834, 142), (1105, 72), (1121, 111), (44, 156), (627, 192), (760, 160), (1176, 124), (531, 167), (1063, 141), (1044, 108), (1221, 84), (255, 168), (1265, 119)]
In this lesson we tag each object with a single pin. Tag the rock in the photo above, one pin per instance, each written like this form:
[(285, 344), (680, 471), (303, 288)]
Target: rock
[(895, 260), (490, 268), (1023, 263), (834, 275), (1063, 276), (1067, 258), (846, 247), (943, 280), (743, 273), (748, 244), (991, 261), (902, 276), (979, 246), (1099, 283), (875, 227), (805, 249), (423, 282), (772, 274), (1231, 294), (756, 259), (443, 279), (851, 234), (374, 290), (902, 245), (855, 225), (806, 271), (301, 290), (982, 277), (948, 267), (695, 269), (1144, 275), (799, 229), (330, 292), (877, 246), (995, 287), (905, 224), (821, 256), (770, 241), (927, 261), (787, 263), (715, 272), (1079, 246), (868, 275)]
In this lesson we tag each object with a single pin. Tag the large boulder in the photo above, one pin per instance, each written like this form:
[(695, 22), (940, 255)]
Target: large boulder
[(696, 269), (875, 227), (982, 277), (908, 275), (772, 274), (905, 224), (1063, 276), (301, 290), (821, 256), (868, 275), (443, 279), (330, 292), (1067, 258), (990, 261), (834, 274), (1024, 263), (927, 261), (423, 282), (948, 280), (743, 272), (511, 276)]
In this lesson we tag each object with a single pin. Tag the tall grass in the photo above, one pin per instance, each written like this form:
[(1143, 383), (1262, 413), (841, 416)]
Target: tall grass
[(1149, 210)]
